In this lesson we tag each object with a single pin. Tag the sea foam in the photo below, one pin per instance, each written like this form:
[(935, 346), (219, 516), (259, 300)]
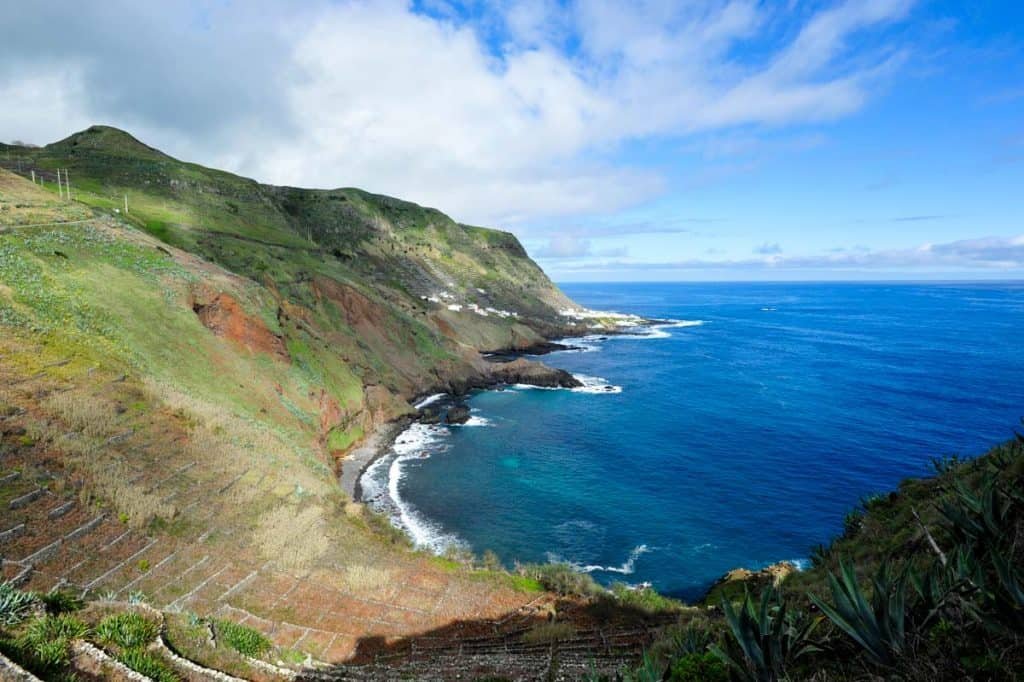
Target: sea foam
[(381, 484), (628, 567), (594, 385)]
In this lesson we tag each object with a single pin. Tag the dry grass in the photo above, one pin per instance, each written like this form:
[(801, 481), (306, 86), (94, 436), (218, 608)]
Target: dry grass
[(82, 413), (110, 479), (546, 633), (359, 578), (294, 538)]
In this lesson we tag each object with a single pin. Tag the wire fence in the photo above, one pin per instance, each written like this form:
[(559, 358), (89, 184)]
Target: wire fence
[(26, 168)]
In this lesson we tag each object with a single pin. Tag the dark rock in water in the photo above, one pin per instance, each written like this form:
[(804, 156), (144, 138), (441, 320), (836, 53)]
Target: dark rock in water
[(457, 414), (522, 371), (429, 415), (542, 348), (545, 347)]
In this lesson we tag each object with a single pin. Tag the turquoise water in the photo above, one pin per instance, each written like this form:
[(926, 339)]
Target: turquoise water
[(737, 442)]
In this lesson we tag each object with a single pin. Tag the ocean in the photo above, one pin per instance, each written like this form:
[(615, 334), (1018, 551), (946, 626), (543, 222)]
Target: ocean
[(740, 436)]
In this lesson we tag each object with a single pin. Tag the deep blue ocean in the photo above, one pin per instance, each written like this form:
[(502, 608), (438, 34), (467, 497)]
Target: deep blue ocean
[(740, 441)]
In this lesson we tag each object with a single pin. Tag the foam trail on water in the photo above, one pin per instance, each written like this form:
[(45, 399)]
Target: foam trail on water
[(476, 421), (594, 385), (429, 400), (590, 385), (657, 331), (627, 568), (382, 479)]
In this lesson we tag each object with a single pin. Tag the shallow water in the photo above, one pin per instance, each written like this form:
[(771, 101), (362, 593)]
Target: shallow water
[(740, 441)]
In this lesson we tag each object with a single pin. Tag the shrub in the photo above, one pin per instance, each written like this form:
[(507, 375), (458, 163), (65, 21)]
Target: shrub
[(644, 599), (47, 640), (15, 605), (59, 601), (244, 640), (698, 667), (563, 579), (126, 630), (153, 667), (679, 641), (490, 561), (545, 633)]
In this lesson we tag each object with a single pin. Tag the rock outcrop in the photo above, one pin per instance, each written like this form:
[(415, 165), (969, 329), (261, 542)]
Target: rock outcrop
[(457, 414), (523, 371), (733, 582)]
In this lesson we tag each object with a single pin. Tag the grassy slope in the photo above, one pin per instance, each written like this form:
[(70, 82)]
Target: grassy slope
[(115, 394)]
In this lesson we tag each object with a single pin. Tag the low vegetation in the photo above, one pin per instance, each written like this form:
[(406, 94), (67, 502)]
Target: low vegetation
[(243, 639)]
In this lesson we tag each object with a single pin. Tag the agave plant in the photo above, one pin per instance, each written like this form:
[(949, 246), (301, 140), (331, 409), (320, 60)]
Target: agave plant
[(647, 671), (48, 639), (15, 605), (765, 637), (977, 518), (877, 625), (689, 640)]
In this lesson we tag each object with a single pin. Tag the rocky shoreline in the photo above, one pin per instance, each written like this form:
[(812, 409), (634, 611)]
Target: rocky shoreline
[(502, 367), (496, 373)]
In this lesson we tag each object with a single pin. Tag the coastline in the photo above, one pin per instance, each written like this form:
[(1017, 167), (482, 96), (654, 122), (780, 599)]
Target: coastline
[(382, 438), (370, 450)]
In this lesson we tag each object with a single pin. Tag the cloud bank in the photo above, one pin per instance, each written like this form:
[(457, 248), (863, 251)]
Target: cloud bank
[(498, 116), (986, 253)]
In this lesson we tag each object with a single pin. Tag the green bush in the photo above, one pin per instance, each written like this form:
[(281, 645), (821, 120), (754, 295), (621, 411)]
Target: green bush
[(244, 640), (153, 667), (126, 630), (59, 601), (563, 579), (697, 667), (644, 599), (46, 641)]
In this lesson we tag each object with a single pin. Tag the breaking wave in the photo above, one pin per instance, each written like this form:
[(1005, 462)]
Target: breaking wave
[(381, 485), (628, 567)]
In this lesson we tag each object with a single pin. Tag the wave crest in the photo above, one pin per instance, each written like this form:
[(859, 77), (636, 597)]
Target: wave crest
[(628, 567)]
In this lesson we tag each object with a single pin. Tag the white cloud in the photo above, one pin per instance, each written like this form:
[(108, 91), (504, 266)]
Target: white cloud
[(432, 108), (571, 246), (985, 253)]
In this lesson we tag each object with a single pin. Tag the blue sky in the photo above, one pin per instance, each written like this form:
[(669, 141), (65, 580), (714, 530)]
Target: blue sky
[(720, 139)]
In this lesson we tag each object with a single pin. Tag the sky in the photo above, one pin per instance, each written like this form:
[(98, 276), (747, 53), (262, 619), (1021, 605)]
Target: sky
[(621, 141)]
